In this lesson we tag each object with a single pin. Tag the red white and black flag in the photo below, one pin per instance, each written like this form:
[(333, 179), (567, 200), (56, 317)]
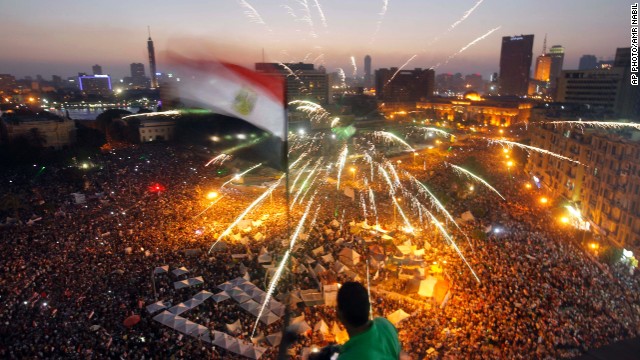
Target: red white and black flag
[(238, 92)]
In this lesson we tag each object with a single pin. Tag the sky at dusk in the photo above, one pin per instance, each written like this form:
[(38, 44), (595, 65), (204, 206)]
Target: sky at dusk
[(64, 37)]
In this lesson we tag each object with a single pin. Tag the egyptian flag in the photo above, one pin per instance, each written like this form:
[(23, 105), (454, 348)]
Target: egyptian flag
[(240, 93)]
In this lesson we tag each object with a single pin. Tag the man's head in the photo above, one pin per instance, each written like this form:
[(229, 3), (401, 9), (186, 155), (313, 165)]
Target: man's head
[(353, 304)]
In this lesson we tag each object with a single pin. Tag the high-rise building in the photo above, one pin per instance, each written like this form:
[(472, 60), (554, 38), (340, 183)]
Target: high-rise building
[(368, 79), (515, 64), (557, 60), (588, 62), (152, 61), (474, 82), (97, 69), (628, 101), (406, 86), (138, 78), (7, 82), (608, 88), (543, 68), (307, 84), (95, 84)]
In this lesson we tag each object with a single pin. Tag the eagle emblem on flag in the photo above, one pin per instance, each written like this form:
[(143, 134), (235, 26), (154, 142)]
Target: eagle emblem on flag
[(245, 101)]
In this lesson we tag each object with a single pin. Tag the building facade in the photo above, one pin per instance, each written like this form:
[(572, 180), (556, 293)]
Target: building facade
[(368, 76), (95, 84), (515, 64), (56, 132), (557, 62), (303, 81), (598, 87), (156, 129), (497, 111), (404, 86), (606, 187), (588, 62)]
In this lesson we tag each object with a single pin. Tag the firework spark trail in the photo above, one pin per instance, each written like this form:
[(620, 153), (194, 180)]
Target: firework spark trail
[(473, 176), (383, 12), (372, 200), (238, 176), (343, 78), (388, 135), (323, 19), (304, 195), (253, 14), (511, 144), (385, 175), (437, 131), (341, 161), (369, 159), (321, 56), (316, 111), (400, 69), (364, 206), (289, 11), (209, 207), (467, 46), (600, 124), (392, 170), (218, 160), (355, 67), (300, 172), (306, 180), (435, 202), (278, 273), (307, 17), (465, 16), (293, 164), (247, 210), (453, 244), (408, 226)]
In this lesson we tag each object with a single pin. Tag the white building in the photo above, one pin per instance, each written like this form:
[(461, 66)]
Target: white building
[(56, 132)]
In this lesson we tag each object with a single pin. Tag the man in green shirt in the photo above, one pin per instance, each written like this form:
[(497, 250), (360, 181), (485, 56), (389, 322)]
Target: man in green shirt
[(368, 339)]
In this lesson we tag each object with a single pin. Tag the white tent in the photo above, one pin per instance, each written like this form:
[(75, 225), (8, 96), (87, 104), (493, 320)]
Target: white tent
[(299, 325), (265, 258), (256, 223), (183, 325), (397, 316), (188, 282), (180, 271), (321, 327), (335, 224), (258, 237), (467, 216), (339, 267), (234, 345), (426, 286), (238, 295), (327, 259), (274, 339), (235, 327), (319, 269), (318, 251), (203, 295), (349, 256), (156, 306), (161, 269), (221, 296)]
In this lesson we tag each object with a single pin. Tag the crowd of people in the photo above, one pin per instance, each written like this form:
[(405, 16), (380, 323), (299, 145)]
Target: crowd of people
[(71, 278)]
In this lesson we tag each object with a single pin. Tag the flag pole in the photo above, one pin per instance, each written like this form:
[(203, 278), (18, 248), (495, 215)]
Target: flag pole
[(286, 340)]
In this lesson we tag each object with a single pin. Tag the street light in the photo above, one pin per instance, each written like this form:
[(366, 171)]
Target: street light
[(212, 195), (544, 200), (509, 165), (414, 157), (353, 173)]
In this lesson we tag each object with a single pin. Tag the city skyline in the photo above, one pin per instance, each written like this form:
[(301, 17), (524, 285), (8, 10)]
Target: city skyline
[(57, 39)]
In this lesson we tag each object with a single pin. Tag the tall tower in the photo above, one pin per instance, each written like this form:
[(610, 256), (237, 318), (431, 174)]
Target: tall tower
[(152, 61), (515, 64), (543, 64), (557, 59), (367, 72)]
